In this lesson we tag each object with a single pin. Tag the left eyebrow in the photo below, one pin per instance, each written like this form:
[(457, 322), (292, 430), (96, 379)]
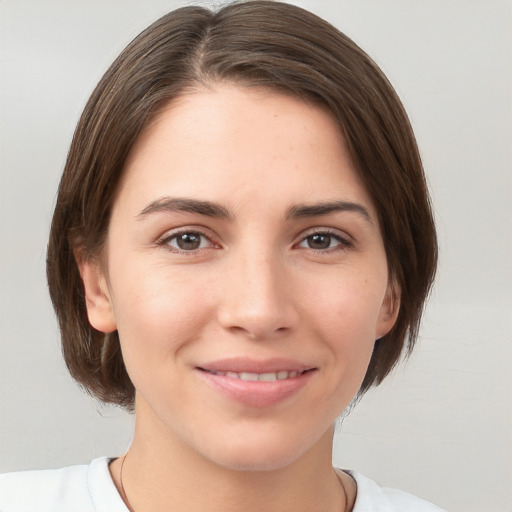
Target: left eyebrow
[(312, 210)]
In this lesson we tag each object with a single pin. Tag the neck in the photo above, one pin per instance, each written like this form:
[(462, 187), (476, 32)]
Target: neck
[(171, 476)]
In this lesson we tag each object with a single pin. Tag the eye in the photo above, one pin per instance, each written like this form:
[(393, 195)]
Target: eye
[(187, 241), (324, 240)]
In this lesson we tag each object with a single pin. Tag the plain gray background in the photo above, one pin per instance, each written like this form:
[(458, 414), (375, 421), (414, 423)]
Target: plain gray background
[(441, 426)]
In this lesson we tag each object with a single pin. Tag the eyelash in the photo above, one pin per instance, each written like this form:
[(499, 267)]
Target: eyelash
[(344, 242), (165, 241)]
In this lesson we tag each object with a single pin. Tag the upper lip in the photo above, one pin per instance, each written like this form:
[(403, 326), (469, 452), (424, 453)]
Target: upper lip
[(242, 364)]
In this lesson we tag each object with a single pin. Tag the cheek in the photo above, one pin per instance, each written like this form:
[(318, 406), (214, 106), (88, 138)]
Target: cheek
[(157, 312), (345, 313), (347, 301)]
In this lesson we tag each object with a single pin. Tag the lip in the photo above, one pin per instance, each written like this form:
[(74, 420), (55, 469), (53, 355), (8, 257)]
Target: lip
[(242, 364), (257, 394)]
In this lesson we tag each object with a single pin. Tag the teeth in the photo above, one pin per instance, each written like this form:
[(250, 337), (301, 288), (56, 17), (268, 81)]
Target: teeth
[(263, 377), (249, 376)]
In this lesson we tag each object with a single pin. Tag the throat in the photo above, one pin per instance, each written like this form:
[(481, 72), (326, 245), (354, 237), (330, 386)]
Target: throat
[(276, 491)]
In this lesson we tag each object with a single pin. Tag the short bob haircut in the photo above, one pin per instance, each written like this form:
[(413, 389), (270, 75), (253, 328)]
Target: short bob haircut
[(254, 43)]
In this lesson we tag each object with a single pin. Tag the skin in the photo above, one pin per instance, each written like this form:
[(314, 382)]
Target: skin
[(259, 286)]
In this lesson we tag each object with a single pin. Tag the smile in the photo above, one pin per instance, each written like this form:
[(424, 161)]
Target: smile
[(256, 384), (262, 377)]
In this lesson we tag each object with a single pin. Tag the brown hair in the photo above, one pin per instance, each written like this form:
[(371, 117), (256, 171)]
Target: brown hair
[(276, 45)]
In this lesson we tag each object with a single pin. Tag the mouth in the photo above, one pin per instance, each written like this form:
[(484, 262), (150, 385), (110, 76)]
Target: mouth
[(256, 384), (259, 377)]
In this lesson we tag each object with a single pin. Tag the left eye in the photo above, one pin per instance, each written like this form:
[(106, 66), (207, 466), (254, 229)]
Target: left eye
[(188, 241), (323, 241)]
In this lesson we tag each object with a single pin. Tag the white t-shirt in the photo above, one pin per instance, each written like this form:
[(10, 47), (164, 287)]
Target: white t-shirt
[(91, 489)]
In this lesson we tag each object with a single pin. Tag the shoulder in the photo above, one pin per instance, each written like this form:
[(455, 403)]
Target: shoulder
[(44, 490), (373, 498), (84, 488)]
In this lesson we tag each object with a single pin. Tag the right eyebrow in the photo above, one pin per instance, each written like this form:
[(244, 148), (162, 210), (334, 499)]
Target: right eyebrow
[(177, 204)]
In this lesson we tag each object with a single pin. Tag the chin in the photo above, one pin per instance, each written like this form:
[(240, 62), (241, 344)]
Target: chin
[(266, 455), (261, 462)]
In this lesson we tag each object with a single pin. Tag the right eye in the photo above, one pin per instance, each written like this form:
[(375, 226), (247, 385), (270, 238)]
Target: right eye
[(187, 241)]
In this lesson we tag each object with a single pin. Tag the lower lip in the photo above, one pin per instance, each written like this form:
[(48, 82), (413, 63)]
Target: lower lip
[(259, 393)]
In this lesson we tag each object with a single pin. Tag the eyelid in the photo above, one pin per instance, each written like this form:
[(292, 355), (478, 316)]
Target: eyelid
[(163, 240), (346, 241)]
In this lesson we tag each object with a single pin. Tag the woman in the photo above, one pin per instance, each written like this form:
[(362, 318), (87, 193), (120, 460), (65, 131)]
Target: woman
[(242, 244)]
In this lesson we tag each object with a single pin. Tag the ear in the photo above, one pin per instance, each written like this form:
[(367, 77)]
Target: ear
[(389, 311), (97, 296)]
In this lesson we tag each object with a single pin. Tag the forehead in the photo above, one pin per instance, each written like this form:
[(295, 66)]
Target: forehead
[(236, 143)]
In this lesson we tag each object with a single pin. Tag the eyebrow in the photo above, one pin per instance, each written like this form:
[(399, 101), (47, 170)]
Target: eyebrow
[(312, 210), (176, 204), (210, 209)]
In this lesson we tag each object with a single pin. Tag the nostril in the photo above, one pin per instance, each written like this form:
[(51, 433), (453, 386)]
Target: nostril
[(256, 331), (258, 320)]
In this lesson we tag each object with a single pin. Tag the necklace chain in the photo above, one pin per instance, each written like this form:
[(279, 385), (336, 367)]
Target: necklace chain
[(125, 497)]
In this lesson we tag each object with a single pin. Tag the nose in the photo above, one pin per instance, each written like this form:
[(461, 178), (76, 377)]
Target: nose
[(257, 297)]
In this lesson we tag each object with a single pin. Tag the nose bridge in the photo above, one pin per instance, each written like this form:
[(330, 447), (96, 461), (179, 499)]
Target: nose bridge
[(256, 298)]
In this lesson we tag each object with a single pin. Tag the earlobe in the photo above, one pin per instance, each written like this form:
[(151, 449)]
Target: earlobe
[(97, 296), (388, 311)]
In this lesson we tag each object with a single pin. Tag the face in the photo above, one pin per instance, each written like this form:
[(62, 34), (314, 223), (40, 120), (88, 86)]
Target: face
[(246, 275)]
